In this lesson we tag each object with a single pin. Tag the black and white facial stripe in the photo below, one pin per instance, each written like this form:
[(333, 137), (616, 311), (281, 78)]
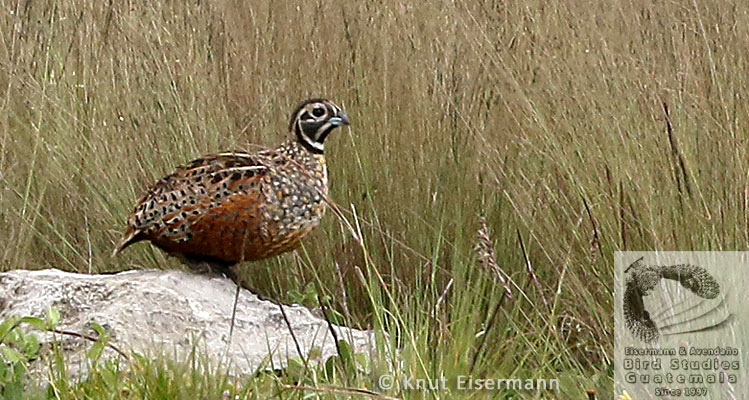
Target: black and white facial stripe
[(313, 120)]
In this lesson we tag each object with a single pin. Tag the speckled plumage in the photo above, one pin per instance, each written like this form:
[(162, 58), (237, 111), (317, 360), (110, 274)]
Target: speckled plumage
[(230, 207)]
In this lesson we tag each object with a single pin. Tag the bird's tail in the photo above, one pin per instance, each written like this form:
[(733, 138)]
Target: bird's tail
[(130, 237)]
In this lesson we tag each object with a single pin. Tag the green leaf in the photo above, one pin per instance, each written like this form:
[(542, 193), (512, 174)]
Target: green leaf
[(94, 353), (142, 360), (347, 353), (4, 372), (362, 360), (15, 337), (7, 325), (53, 317), (295, 368), (330, 367), (31, 346), (335, 317), (314, 353), (13, 390), (309, 290), (37, 323), (12, 355), (100, 330), (294, 296)]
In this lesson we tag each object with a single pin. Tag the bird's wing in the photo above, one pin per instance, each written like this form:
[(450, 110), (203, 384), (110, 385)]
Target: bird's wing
[(191, 191)]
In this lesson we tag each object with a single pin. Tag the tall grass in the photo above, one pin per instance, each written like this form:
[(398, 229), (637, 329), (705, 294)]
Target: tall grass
[(575, 128)]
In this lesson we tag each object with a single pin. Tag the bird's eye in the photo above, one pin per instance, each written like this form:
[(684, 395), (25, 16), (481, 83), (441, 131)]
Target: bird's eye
[(318, 111)]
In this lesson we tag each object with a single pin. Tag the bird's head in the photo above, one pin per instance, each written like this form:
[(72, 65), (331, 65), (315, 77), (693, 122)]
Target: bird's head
[(313, 120)]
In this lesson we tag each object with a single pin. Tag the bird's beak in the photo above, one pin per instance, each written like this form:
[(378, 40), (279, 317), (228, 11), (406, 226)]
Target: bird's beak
[(340, 119)]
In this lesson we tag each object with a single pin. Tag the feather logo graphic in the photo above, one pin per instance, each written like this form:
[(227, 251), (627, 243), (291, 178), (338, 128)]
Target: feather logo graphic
[(676, 317)]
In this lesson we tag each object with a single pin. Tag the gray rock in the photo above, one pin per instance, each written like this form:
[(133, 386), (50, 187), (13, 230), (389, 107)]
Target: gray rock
[(168, 312)]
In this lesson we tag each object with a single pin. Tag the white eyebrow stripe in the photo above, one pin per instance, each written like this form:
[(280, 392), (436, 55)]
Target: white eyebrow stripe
[(237, 154)]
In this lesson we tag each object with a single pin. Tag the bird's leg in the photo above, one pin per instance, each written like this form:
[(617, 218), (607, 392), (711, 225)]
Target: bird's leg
[(233, 315), (207, 267), (217, 268), (225, 270)]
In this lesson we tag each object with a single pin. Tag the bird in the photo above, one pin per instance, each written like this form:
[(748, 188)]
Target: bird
[(641, 281), (226, 208)]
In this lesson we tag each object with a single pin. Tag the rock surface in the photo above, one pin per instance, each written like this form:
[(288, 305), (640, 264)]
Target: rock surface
[(163, 312)]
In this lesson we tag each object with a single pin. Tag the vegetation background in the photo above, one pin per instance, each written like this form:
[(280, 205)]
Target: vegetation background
[(572, 128)]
